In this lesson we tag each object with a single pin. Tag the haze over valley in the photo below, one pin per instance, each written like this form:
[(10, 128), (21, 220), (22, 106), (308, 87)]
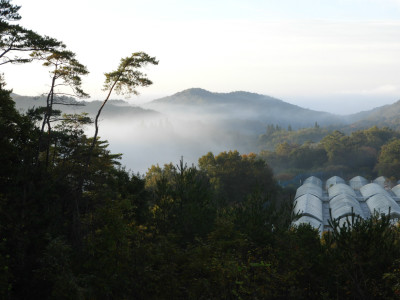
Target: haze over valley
[(195, 121)]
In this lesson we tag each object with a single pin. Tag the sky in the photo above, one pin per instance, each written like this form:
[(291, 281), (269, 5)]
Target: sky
[(340, 56)]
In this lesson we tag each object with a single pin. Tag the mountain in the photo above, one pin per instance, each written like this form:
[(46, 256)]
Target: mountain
[(246, 112), (244, 107), (387, 115), (113, 108)]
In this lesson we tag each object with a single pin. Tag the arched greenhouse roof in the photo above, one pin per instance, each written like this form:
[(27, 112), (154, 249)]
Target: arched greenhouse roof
[(313, 179), (396, 190), (382, 204), (372, 189), (309, 188), (344, 205), (309, 205), (382, 181), (340, 188), (332, 181), (357, 182)]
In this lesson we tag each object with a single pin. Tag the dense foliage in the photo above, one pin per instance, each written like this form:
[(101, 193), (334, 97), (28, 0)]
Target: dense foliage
[(369, 153)]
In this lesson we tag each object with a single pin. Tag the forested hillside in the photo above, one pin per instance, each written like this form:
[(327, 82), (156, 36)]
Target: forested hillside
[(74, 224), (387, 115), (368, 153)]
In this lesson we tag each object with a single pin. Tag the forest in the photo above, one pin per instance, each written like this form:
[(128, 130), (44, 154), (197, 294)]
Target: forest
[(74, 224), (328, 152)]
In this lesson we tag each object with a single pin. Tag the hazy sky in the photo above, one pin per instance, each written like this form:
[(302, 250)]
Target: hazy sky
[(322, 54)]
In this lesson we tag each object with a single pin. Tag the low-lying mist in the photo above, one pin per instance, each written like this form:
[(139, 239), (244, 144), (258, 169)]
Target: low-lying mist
[(193, 122), (148, 141)]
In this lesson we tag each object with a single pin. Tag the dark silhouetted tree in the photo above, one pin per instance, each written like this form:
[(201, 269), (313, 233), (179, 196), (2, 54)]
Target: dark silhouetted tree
[(17, 39), (125, 80), (65, 73)]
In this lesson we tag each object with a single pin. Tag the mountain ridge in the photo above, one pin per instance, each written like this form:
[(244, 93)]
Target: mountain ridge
[(253, 111), (114, 108), (240, 104)]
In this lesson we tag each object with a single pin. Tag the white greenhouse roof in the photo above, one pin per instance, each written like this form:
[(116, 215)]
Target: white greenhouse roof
[(341, 201), (309, 205), (381, 204), (333, 180), (357, 182), (309, 188), (372, 189), (344, 205), (396, 190), (340, 188), (382, 181), (313, 179)]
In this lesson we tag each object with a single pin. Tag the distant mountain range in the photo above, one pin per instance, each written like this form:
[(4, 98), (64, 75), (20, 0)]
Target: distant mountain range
[(243, 111), (113, 109), (244, 106)]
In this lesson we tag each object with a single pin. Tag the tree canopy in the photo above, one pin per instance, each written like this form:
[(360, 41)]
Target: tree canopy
[(16, 41)]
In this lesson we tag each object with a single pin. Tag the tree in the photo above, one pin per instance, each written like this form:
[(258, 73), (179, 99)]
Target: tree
[(15, 38), (389, 159), (236, 176), (124, 80), (181, 200), (66, 73), (335, 145), (8, 11), (358, 256)]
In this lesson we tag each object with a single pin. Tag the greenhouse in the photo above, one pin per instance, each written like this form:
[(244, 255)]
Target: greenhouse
[(314, 180), (309, 188), (344, 201), (309, 205), (382, 181), (332, 181), (339, 189), (383, 204), (344, 205), (372, 189), (396, 190), (358, 182)]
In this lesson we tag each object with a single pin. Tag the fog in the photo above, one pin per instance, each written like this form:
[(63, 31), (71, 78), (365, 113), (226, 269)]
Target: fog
[(147, 141), (193, 122)]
